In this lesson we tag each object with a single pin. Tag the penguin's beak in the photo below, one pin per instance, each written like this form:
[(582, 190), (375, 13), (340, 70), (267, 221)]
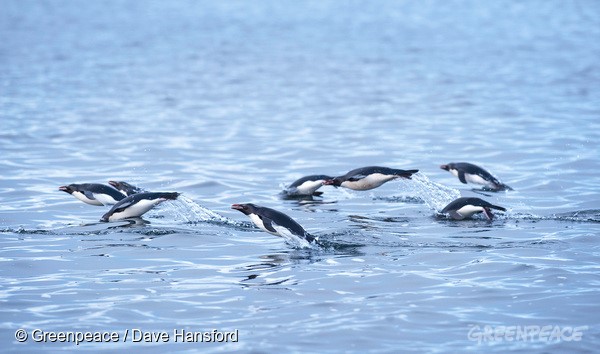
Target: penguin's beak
[(329, 182), (64, 189), (444, 167), (113, 183), (237, 207), (488, 213)]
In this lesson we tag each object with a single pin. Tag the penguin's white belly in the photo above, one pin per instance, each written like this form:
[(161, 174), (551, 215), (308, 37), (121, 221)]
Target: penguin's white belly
[(468, 210), (477, 179), (308, 187), (371, 181), (258, 222), (105, 199), (136, 210), (291, 238), (85, 199)]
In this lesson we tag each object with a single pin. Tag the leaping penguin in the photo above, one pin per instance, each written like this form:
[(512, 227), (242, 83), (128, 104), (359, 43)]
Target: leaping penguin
[(467, 172), (137, 204), (93, 193), (306, 186), (275, 223), (365, 178), (126, 188), (466, 207)]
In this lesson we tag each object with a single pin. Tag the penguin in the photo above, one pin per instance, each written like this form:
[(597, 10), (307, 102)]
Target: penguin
[(126, 188), (93, 193), (306, 186), (467, 172), (365, 178), (137, 204), (275, 222), (465, 207)]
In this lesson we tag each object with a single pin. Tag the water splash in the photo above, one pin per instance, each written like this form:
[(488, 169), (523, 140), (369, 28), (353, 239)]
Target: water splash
[(189, 211), (435, 195)]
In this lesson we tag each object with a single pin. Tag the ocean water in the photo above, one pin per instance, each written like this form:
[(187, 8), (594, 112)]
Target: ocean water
[(228, 101)]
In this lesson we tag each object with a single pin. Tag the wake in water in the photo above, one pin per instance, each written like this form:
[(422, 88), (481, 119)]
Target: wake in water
[(592, 216), (580, 215)]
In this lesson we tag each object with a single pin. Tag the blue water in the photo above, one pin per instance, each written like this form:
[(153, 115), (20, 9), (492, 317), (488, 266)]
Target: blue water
[(226, 102)]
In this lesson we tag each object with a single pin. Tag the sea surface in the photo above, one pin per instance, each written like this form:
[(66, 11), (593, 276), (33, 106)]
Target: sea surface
[(229, 101)]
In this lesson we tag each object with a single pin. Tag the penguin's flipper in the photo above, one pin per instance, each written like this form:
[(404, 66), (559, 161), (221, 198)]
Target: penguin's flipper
[(268, 223), (117, 208), (497, 207), (504, 187), (481, 191), (89, 195), (488, 213), (407, 174), (310, 238), (461, 177)]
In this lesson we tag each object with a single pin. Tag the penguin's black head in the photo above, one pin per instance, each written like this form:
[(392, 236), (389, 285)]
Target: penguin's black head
[(125, 187), (119, 184), (447, 167), (336, 182), (68, 189), (244, 208)]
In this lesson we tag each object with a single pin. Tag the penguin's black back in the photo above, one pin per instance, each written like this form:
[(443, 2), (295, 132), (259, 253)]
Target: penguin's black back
[(125, 187), (461, 202), (365, 171), (281, 219), (475, 170), (309, 178), (98, 189)]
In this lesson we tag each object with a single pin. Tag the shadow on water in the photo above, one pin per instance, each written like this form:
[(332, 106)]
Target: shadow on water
[(308, 204), (302, 198), (264, 273), (483, 191)]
